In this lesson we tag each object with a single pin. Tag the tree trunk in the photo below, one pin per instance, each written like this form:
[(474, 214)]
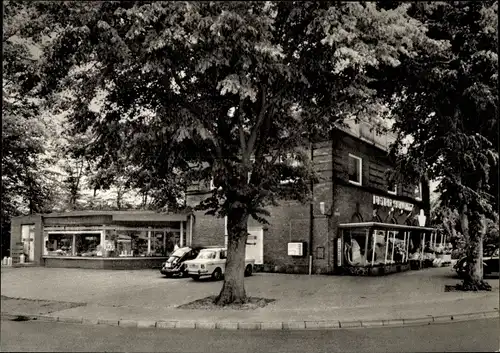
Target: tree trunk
[(474, 237), (233, 289)]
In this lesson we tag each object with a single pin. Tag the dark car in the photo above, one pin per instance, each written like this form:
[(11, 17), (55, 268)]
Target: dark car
[(491, 262), (175, 263)]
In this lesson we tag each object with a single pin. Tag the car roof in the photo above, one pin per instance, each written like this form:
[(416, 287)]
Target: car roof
[(214, 248)]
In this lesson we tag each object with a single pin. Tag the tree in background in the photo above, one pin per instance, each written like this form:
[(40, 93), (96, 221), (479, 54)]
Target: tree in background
[(26, 178), (446, 109), (224, 91)]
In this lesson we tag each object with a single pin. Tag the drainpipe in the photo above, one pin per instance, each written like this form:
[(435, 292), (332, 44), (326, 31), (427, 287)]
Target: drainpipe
[(311, 215)]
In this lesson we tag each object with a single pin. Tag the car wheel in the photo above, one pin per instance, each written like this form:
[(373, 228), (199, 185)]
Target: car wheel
[(168, 275), (184, 274), (248, 271), (217, 274), (195, 277)]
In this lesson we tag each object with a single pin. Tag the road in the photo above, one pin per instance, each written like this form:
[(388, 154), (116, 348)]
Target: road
[(469, 336)]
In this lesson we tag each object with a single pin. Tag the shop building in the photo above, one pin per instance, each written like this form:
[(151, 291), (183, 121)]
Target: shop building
[(357, 223), (98, 239)]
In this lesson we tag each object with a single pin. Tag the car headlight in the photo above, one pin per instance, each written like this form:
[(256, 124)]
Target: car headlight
[(202, 266)]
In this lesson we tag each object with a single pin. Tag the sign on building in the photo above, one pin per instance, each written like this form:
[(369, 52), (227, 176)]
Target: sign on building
[(387, 202)]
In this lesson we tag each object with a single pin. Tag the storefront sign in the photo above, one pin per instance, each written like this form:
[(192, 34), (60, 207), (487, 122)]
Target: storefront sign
[(384, 201)]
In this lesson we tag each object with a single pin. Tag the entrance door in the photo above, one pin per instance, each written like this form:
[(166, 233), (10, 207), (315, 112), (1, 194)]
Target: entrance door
[(255, 245), (28, 238)]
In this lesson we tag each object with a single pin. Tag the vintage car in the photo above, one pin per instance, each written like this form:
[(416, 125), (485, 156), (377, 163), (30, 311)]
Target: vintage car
[(212, 262), (491, 262), (175, 265)]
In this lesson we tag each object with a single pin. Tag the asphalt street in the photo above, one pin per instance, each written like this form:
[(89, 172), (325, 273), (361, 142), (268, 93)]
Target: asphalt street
[(469, 336)]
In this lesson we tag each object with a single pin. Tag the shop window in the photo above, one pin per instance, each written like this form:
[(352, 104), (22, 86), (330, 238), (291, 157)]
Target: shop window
[(59, 244), (355, 245), (389, 247), (158, 244), (74, 244), (88, 245), (355, 169), (418, 192), (132, 243)]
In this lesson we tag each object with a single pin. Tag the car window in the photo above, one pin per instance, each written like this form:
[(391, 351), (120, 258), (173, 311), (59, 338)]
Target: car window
[(178, 252), (223, 254), (495, 254), (207, 255)]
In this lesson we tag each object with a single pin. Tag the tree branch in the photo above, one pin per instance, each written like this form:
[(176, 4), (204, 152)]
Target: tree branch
[(260, 119), (197, 115), (243, 143)]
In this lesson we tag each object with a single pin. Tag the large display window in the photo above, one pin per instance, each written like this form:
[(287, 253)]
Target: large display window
[(136, 242), (378, 244), (115, 242), (73, 244)]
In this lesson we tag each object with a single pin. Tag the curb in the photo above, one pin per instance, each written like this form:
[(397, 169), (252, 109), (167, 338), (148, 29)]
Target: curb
[(247, 325)]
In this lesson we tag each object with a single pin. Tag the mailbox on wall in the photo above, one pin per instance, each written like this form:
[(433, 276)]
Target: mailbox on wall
[(296, 249)]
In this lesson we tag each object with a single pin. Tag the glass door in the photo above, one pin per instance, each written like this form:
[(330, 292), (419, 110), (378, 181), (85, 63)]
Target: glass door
[(27, 238)]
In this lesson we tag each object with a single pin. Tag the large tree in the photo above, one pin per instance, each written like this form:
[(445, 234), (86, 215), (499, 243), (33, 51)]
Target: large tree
[(446, 110), (229, 91)]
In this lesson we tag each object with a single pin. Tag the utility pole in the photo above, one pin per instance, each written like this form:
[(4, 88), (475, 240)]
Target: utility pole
[(311, 213)]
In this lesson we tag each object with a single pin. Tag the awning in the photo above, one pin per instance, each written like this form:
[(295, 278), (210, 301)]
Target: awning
[(385, 226)]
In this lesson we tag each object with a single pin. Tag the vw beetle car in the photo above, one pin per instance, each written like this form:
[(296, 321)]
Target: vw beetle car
[(175, 264)]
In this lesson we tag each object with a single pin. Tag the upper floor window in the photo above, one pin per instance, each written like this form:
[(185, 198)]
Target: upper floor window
[(355, 169), (392, 188), (418, 191)]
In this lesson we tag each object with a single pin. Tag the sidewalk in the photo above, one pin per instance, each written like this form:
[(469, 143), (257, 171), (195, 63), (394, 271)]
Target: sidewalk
[(145, 299)]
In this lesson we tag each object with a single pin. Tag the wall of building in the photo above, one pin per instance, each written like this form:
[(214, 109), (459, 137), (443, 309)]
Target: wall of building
[(106, 263)]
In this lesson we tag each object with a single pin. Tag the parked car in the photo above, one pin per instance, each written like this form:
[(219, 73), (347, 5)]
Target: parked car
[(491, 262), (212, 262), (175, 265)]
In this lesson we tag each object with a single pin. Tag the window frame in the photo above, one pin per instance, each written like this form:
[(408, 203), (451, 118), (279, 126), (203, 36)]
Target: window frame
[(360, 170), (418, 196)]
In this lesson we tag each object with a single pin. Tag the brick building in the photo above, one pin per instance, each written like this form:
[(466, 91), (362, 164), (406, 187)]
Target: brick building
[(353, 188)]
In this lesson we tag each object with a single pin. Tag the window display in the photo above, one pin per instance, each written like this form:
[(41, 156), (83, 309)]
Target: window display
[(136, 243), (88, 245), (59, 244), (116, 243), (380, 247), (73, 244), (355, 247)]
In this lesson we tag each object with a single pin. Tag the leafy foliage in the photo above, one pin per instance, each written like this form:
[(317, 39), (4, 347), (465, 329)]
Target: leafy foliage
[(446, 109), (227, 91), (217, 89)]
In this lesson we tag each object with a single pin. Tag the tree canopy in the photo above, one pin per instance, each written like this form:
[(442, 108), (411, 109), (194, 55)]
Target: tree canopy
[(446, 111), (229, 91)]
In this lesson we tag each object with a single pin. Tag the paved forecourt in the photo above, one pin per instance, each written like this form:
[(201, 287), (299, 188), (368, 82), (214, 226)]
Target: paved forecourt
[(143, 298)]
